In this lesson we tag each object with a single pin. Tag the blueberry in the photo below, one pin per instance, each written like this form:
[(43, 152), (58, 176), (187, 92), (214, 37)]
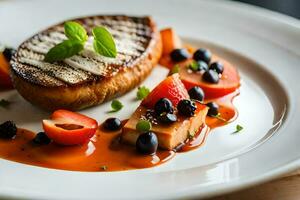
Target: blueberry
[(196, 93), (202, 54), (147, 143), (112, 124), (213, 109), (8, 130), (167, 118), (217, 66), (8, 53), (186, 108), (211, 76), (164, 105), (178, 55), (202, 65), (41, 138)]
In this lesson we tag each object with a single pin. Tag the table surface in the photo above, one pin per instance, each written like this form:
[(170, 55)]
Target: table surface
[(288, 7), (288, 186), (284, 188)]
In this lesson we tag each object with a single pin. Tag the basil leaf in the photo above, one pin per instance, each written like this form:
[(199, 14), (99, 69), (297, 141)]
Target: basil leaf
[(143, 126), (63, 50), (4, 103), (142, 92), (104, 43), (116, 105), (74, 31)]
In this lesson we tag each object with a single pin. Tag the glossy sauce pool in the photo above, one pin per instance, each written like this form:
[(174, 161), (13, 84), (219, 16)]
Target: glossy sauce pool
[(105, 152)]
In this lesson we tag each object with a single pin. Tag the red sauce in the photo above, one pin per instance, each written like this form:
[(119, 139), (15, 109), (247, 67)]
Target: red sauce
[(197, 141), (105, 151), (226, 109), (228, 113)]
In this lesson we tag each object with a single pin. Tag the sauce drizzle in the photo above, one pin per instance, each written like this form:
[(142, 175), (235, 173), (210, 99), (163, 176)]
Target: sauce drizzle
[(105, 151)]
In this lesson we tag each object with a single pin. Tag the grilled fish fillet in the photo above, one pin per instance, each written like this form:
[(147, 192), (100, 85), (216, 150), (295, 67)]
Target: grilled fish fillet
[(86, 79)]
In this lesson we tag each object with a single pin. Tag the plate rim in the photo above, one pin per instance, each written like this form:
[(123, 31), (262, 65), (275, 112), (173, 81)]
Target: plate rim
[(261, 178)]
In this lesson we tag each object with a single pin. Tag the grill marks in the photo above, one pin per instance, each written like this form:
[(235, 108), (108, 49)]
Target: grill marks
[(73, 77), (132, 36)]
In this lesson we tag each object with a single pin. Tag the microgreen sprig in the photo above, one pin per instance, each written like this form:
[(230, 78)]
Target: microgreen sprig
[(143, 126), (175, 69), (238, 129), (4, 103), (218, 116), (142, 92), (116, 105)]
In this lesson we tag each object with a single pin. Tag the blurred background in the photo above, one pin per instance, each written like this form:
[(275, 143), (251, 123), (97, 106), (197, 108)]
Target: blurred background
[(288, 7)]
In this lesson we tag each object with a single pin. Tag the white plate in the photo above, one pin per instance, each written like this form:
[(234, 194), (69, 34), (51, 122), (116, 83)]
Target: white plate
[(263, 45)]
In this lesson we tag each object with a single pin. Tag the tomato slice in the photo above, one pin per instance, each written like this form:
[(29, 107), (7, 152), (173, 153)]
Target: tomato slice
[(171, 88), (228, 83), (69, 128), (5, 81), (170, 40)]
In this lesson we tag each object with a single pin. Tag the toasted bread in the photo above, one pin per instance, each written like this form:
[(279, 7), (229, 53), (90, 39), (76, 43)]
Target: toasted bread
[(86, 79)]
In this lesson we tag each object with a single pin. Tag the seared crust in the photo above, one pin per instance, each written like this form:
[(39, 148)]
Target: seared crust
[(94, 91)]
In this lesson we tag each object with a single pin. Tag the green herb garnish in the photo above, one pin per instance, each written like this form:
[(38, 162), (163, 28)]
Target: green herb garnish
[(194, 66), (74, 31), (175, 69), (116, 105), (238, 128), (143, 126), (104, 168), (64, 50), (191, 135), (142, 92), (104, 43), (77, 36), (218, 116), (4, 103)]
